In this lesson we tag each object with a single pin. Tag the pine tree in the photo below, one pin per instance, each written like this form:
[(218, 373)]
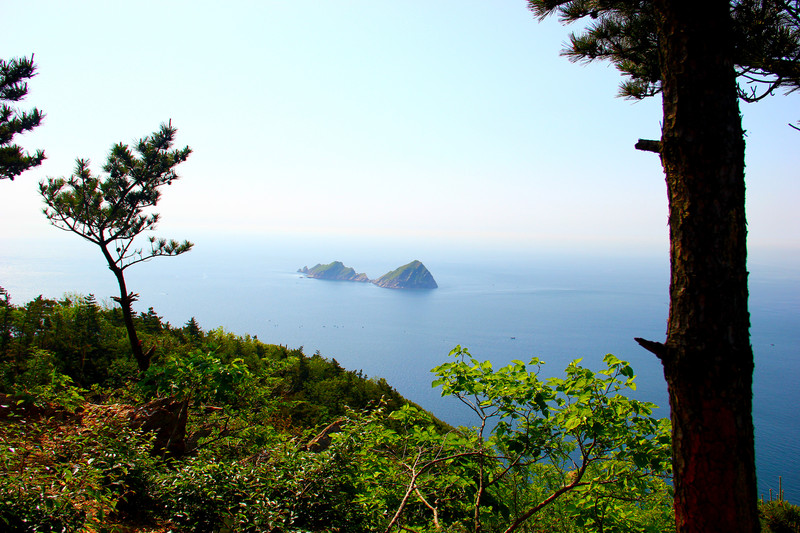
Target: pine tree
[(111, 212), (13, 88), (192, 330), (701, 57)]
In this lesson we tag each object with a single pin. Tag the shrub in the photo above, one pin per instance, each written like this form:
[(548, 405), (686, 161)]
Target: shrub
[(28, 511), (779, 516)]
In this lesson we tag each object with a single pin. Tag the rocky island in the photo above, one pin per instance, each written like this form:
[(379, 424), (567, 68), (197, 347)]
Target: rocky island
[(414, 275), (411, 276), (333, 271)]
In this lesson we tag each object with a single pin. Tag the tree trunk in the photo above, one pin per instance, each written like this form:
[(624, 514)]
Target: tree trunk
[(707, 358), (126, 300)]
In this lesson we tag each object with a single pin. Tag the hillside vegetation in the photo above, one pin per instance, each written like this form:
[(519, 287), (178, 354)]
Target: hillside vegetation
[(227, 433)]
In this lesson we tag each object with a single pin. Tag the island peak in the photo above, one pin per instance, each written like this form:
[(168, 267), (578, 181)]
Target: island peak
[(414, 275)]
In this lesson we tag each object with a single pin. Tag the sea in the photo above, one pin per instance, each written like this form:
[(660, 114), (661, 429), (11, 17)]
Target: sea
[(501, 303)]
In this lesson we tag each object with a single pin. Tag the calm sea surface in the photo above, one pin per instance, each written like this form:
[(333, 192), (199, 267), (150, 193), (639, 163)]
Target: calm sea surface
[(556, 306)]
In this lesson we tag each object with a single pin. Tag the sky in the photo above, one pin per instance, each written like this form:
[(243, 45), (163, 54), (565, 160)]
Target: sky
[(439, 121)]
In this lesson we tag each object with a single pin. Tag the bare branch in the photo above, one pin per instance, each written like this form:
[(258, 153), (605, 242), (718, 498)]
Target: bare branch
[(647, 145), (656, 348)]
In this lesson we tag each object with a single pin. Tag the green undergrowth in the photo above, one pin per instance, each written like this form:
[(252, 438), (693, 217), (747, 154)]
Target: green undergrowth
[(277, 440)]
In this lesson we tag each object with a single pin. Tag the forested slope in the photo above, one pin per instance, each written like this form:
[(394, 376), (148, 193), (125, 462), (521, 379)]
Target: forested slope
[(226, 433)]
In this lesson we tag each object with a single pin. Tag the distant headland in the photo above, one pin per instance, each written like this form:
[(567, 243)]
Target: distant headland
[(414, 275)]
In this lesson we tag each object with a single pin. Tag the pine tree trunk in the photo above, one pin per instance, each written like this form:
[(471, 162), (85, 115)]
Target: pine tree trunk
[(707, 358), (125, 301)]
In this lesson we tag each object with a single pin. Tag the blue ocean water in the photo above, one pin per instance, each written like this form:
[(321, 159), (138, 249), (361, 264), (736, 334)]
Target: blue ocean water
[(557, 306)]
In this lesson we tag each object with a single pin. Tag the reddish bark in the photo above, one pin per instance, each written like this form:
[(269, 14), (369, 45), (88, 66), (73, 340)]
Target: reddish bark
[(707, 358)]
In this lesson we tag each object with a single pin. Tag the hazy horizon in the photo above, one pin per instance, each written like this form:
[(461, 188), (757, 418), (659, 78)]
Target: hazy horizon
[(58, 264)]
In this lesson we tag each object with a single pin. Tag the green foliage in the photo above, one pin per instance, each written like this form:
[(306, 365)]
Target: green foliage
[(5, 321), (215, 496), (198, 376), (193, 331), (563, 454), (779, 516), (288, 490), (13, 88), (598, 442), (41, 384), (254, 411), (411, 471), (24, 511), (57, 477), (111, 212), (766, 37), (88, 342)]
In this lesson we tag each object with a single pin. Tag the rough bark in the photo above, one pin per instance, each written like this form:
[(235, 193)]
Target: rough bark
[(707, 357)]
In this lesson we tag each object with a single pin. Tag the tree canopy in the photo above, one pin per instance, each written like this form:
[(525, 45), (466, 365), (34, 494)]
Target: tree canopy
[(766, 39), (13, 88), (111, 212)]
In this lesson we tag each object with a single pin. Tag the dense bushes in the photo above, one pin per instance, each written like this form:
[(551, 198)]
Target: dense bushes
[(571, 453), (69, 386)]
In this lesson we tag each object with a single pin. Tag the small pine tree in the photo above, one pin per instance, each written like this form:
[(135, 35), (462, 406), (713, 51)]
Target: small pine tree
[(112, 212)]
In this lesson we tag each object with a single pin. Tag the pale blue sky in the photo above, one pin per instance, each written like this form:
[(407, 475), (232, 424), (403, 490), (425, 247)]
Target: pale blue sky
[(438, 120)]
